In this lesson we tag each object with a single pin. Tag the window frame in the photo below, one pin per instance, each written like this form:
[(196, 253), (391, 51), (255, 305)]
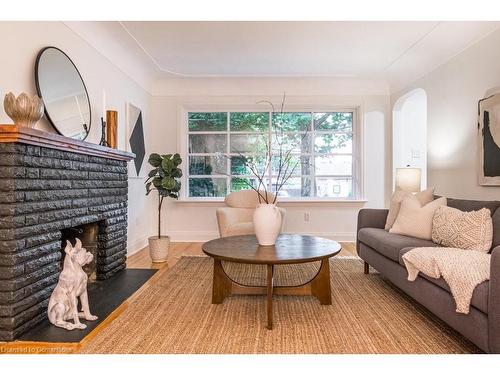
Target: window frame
[(356, 155)]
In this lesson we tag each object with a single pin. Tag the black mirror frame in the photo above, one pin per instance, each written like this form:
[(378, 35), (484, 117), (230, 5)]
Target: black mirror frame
[(37, 62)]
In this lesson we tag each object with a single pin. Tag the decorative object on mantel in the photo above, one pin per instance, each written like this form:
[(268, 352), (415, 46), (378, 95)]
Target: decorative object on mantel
[(60, 85), (103, 141), (135, 134), (24, 110), (72, 285), (164, 178), (112, 128), (489, 140)]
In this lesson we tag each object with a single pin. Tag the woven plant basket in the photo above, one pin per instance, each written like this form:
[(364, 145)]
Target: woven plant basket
[(158, 248)]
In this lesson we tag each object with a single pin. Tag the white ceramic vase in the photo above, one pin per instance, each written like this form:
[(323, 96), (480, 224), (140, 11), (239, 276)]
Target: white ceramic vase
[(158, 248), (267, 223)]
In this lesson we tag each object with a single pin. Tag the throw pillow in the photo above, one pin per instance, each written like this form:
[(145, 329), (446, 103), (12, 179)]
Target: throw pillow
[(466, 230), (423, 197), (415, 219)]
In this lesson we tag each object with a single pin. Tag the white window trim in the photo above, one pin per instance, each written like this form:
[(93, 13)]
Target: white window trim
[(357, 153)]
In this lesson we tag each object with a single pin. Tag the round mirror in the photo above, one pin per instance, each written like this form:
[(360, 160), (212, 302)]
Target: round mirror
[(60, 85)]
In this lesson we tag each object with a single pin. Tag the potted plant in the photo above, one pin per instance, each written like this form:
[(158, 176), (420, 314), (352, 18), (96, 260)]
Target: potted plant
[(164, 178)]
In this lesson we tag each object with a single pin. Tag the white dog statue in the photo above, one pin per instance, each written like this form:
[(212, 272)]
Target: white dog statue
[(63, 303)]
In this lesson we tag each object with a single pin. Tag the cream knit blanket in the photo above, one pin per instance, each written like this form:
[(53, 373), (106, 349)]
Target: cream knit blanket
[(462, 270)]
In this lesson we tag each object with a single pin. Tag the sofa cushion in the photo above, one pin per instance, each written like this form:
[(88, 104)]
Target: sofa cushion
[(472, 205), (471, 230), (423, 197), (414, 219), (479, 297), (389, 244)]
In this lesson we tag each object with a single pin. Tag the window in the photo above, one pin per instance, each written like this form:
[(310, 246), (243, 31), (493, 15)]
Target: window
[(322, 146)]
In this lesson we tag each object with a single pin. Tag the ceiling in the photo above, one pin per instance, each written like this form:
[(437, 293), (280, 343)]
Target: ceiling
[(397, 51)]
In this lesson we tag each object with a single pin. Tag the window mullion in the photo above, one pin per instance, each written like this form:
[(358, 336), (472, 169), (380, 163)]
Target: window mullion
[(228, 159), (312, 150)]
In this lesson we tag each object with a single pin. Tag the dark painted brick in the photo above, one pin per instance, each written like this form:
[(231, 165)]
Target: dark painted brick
[(25, 316), (108, 274), (35, 264), (62, 174), (8, 197), (14, 309), (43, 238), (27, 279), (84, 220), (10, 297), (28, 254), (12, 245), (32, 161), (110, 251), (54, 194)]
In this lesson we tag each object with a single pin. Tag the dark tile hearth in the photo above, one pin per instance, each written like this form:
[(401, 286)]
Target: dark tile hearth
[(104, 297)]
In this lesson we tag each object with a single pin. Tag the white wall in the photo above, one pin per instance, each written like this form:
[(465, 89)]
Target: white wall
[(409, 134), (453, 91), (21, 42), (197, 221)]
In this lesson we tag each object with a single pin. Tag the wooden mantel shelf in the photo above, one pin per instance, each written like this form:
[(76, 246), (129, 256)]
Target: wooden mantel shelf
[(19, 134)]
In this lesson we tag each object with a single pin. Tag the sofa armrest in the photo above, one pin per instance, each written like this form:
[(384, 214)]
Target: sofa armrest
[(494, 302), (372, 218)]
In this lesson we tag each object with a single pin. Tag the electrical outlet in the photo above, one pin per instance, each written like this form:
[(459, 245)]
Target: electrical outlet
[(306, 216)]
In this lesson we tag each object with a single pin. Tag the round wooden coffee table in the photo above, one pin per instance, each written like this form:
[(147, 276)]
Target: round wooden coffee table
[(289, 249)]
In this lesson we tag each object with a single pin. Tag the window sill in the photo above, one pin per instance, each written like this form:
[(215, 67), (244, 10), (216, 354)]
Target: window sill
[(281, 201)]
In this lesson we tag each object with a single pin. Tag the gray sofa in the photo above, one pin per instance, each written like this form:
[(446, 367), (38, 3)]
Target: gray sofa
[(383, 251)]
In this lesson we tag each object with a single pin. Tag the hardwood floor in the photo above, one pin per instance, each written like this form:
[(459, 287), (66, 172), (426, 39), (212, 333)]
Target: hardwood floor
[(141, 259)]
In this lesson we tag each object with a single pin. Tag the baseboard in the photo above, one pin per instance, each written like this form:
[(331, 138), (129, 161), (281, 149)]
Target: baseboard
[(202, 236), (136, 246)]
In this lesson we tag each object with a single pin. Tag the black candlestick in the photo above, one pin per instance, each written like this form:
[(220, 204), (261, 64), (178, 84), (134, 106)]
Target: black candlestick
[(103, 133)]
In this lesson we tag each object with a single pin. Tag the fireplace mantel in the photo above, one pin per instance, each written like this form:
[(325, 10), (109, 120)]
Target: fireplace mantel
[(17, 134)]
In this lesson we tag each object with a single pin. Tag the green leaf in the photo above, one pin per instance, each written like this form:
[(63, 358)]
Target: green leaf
[(153, 172), (167, 165), (177, 187), (163, 192), (168, 183), (177, 160), (157, 182), (167, 156), (154, 160), (177, 173), (148, 188), (172, 195)]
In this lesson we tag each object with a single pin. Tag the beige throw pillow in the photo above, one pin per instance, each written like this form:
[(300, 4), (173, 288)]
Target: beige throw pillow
[(464, 230), (423, 197), (414, 219)]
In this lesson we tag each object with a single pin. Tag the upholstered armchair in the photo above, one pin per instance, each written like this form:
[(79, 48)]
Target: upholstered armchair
[(237, 217)]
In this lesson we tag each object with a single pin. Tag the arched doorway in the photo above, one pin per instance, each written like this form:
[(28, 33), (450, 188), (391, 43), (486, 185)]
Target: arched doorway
[(409, 133)]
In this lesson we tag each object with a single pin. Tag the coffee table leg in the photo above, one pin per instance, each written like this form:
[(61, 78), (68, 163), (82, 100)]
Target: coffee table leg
[(320, 286), (221, 286), (270, 274)]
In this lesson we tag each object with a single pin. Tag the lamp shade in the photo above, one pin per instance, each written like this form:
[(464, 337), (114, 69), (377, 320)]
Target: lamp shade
[(408, 179)]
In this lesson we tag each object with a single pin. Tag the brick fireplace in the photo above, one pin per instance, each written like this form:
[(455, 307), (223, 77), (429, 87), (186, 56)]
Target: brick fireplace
[(51, 186)]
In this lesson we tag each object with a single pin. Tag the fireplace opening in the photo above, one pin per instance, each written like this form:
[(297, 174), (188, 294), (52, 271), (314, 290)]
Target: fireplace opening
[(87, 233)]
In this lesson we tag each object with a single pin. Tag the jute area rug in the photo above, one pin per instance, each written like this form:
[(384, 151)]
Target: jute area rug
[(367, 315)]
